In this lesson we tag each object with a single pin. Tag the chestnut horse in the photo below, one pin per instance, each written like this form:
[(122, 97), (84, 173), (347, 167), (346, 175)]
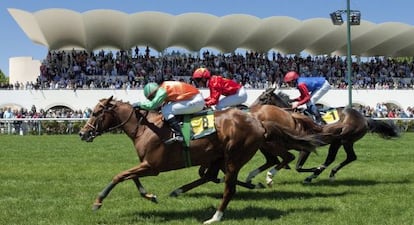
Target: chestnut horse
[(271, 149), (238, 136), (350, 128)]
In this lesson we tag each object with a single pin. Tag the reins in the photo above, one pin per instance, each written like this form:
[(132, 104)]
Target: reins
[(114, 127), (123, 123)]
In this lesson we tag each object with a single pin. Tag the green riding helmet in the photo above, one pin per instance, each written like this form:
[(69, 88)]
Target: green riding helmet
[(150, 88)]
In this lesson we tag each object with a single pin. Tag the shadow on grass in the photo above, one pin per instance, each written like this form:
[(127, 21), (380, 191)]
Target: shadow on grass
[(250, 212), (345, 182), (355, 182), (249, 195)]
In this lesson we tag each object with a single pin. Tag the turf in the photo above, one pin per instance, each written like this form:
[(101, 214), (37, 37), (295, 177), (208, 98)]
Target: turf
[(54, 180)]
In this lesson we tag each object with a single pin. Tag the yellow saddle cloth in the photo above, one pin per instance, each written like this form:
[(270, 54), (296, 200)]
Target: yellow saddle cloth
[(330, 116), (202, 126)]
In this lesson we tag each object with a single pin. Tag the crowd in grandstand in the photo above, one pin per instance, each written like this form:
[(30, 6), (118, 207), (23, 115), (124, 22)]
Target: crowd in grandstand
[(133, 69)]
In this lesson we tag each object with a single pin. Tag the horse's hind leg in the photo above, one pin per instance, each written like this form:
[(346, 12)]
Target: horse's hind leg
[(287, 157), (208, 174), (330, 158), (271, 160), (350, 157), (230, 181)]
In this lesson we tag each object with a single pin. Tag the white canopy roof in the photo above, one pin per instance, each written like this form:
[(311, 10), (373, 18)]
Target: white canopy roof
[(60, 29)]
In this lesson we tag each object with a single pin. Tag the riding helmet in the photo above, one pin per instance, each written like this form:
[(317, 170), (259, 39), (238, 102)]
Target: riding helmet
[(150, 88), (201, 73), (292, 75)]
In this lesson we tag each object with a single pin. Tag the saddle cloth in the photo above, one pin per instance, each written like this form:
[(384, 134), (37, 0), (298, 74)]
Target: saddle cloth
[(330, 115), (198, 125)]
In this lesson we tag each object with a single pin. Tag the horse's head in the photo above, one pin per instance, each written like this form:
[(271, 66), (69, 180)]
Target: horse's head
[(268, 97), (282, 100), (104, 118)]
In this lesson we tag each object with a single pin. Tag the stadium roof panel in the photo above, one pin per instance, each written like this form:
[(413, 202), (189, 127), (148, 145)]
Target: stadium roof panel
[(59, 29)]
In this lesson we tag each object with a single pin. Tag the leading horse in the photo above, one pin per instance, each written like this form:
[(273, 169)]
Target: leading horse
[(350, 127), (237, 139)]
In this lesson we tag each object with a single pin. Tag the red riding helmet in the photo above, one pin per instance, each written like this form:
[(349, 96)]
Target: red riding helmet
[(201, 73), (292, 75)]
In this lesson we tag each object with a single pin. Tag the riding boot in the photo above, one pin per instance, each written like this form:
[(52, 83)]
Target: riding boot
[(176, 128), (318, 118)]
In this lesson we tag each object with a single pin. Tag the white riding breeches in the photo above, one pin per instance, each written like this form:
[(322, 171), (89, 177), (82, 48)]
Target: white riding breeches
[(183, 107), (315, 96), (232, 100)]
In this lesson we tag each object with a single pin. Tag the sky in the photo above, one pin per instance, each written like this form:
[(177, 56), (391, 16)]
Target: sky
[(15, 43)]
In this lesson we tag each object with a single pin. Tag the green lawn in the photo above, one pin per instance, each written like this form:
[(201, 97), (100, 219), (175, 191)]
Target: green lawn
[(55, 179)]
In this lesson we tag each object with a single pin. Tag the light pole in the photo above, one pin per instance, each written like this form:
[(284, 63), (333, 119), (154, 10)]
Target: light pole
[(353, 17)]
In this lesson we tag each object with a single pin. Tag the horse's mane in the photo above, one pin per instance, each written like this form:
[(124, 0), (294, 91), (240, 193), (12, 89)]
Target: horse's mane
[(283, 96)]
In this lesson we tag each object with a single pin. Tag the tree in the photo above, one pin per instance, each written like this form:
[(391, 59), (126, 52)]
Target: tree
[(3, 78)]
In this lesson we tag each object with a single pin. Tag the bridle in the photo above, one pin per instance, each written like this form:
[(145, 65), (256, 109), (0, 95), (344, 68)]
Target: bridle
[(96, 128)]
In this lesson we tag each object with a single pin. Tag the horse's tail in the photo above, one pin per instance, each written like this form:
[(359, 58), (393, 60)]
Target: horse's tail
[(385, 129), (286, 137)]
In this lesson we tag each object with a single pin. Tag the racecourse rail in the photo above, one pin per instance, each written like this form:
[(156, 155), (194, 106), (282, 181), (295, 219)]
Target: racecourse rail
[(36, 126), (84, 98)]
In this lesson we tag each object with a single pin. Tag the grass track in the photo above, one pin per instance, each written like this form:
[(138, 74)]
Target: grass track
[(54, 180)]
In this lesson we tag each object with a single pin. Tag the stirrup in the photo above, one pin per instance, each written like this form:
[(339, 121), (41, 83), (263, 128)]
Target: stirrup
[(321, 122), (174, 138)]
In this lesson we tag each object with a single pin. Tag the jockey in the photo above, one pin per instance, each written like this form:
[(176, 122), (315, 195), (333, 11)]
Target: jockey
[(234, 93), (311, 90), (176, 98)]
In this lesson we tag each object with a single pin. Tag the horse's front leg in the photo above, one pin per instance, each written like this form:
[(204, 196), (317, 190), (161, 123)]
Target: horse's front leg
[(350, 157), (303, 157), (143, 192), (142, 169)]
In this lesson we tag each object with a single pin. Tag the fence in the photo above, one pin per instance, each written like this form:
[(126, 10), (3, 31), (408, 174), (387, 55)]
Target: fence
[(40, 126)]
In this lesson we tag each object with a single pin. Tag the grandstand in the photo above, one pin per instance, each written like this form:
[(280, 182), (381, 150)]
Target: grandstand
[(77, 62)]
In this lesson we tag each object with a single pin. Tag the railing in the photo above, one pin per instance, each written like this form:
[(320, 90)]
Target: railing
[(40, 126)]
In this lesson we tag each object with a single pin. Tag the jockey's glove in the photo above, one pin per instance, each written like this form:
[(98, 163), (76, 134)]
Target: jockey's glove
[(136, 105)]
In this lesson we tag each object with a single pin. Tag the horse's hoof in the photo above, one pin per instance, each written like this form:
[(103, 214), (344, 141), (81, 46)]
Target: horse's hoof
[(307, 180), (269, 183), (96, 206), (154, 199), (260, 186), (176, 193)]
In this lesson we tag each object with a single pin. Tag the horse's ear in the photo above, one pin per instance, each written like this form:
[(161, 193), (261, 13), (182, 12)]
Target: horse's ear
[(108, 100)]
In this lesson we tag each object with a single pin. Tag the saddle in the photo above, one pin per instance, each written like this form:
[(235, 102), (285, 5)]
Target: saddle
[(200, 124), (197, 125)]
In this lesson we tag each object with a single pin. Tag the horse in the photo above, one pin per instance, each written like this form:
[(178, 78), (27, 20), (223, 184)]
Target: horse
[(348, 126), (271, 149), (238, 136)]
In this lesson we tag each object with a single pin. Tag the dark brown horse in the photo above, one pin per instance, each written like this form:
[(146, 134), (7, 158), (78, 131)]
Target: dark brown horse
[(350, 127), (237, 139)]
